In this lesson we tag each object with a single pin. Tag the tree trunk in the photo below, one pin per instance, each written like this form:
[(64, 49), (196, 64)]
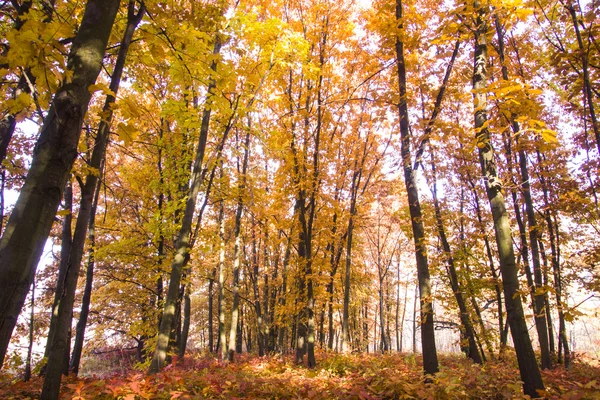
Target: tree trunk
[(383, 343), (497, 283), (183, 238), (30, 346), (65, 252), (397, 313), (465, 319), (556, 269), (430, 360), (222, 335), (211, 284), (57, 360), (414, 325), (530, 373), (282, 300), (235, 312), (587, 86), (87, 292), (185, 328), (55, 151), (257, 306), (537, 287)]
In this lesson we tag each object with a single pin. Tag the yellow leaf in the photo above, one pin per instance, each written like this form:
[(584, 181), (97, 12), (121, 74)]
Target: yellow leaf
[(63, 213), (549, 136), (126, 133), (100, 87)]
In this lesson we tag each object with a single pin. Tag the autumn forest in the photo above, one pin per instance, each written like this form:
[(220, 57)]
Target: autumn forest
[(296, 199)]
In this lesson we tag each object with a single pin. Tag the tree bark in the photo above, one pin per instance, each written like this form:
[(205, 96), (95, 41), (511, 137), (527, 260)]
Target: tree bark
[(55, 151)]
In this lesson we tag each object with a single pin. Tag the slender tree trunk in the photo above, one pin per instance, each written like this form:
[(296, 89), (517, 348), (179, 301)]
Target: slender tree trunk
[(30, 346), (587, 86), (235, 304), (547, 300), (29, 224), (530, 373), (383, 343), (222, 334), (403, 317), (257, 306), (185, 328), (414, 325), (430, 360), (65, 252), (556, 269), (240, 331), (346, 348), (87, 292), (235, 307), (183, 239), (397, 314), (497, 284), (465, 318), (211, 284), (537, 287), (282, 300)]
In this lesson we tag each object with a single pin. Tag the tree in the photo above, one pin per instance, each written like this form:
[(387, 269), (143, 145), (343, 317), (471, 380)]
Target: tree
[(430, 361), (29, 224), (59, 344), (530, 373)]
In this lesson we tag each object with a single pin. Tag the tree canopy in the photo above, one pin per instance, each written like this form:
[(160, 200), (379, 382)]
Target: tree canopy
[(299, 177)]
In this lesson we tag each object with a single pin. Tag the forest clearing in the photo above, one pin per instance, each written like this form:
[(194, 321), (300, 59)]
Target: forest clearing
[(299, 199)]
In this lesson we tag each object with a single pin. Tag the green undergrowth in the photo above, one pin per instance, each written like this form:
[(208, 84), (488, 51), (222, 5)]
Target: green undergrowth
[(356, 376)]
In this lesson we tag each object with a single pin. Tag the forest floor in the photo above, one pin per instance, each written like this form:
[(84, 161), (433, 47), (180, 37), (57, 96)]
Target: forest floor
[(356, 376)]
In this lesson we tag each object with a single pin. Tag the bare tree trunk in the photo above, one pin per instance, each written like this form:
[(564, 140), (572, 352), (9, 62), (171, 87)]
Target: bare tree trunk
[(211, 284), (257, 307), (497, 284), (414, 327)]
